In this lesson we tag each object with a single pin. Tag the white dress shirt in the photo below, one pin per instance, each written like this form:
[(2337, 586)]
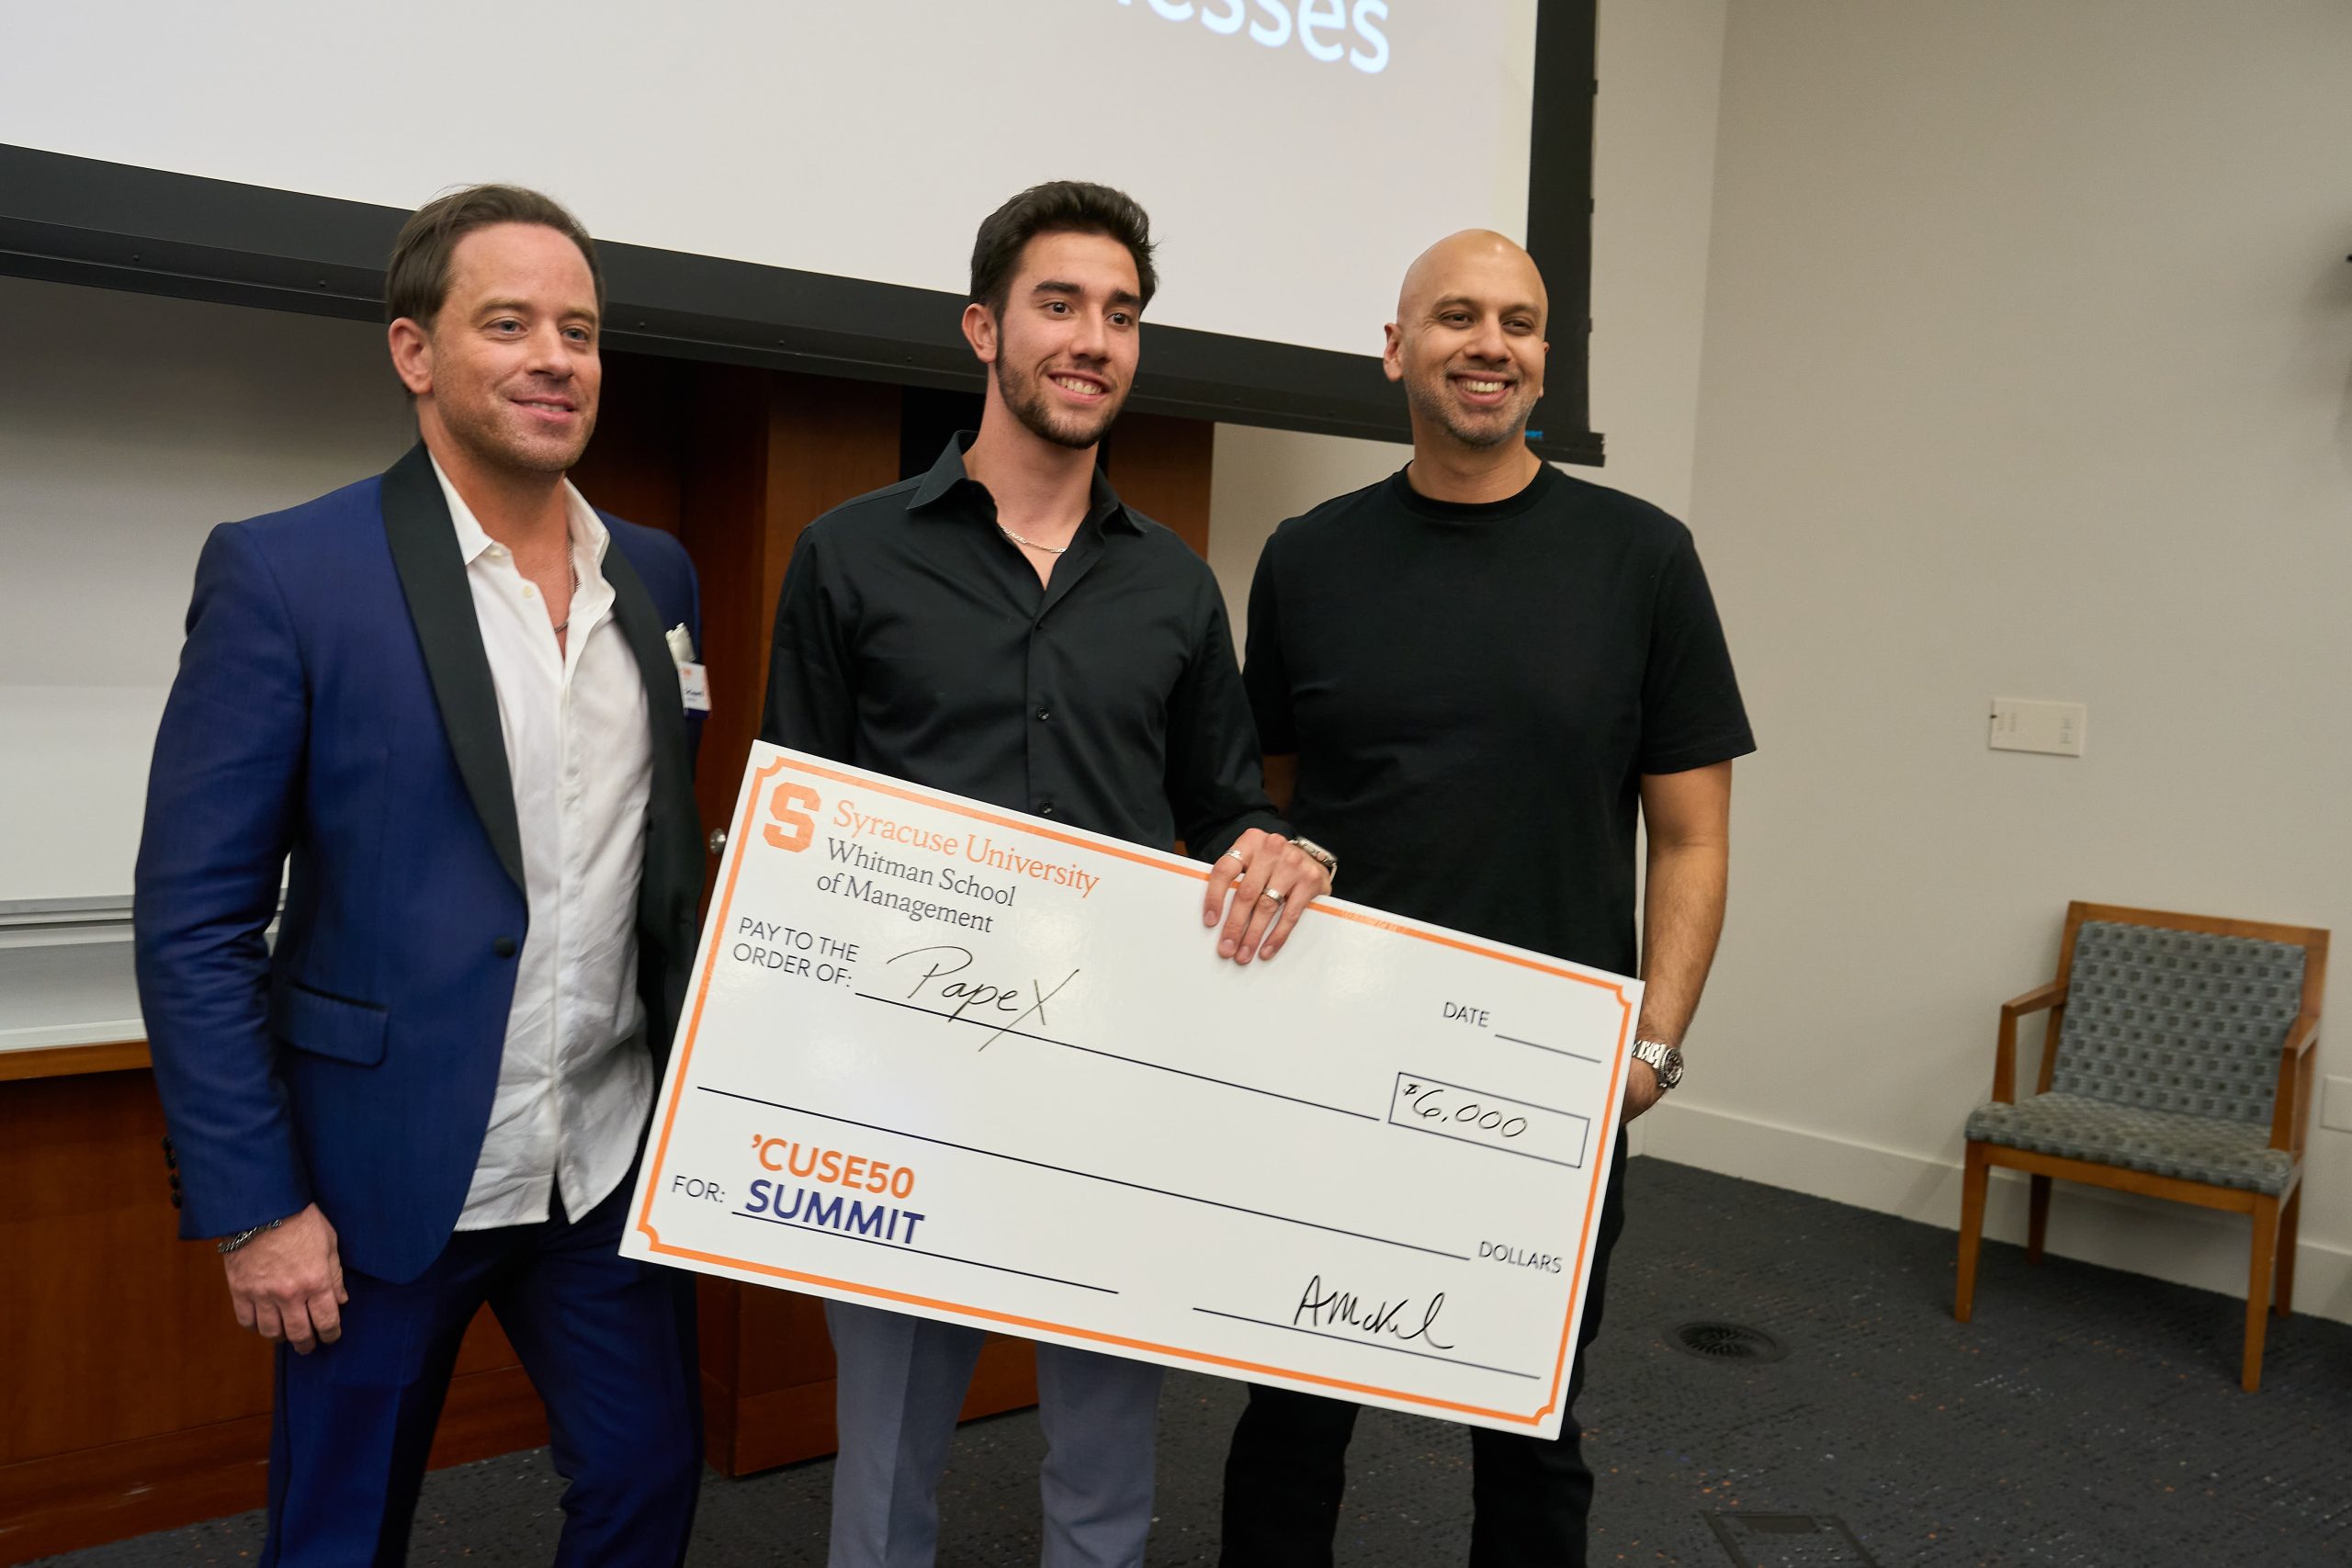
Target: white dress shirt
[(574, 1082)]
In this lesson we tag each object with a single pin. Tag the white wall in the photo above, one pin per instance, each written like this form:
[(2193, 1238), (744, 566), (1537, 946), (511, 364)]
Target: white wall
[(1660, 64), (2002, 348), (1653, 181), (1997, 348), (129, 425), (109, 479), (2028, 340)]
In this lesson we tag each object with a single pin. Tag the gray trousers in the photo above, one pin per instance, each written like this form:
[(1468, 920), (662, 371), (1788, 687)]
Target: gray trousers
[(902, 1381)]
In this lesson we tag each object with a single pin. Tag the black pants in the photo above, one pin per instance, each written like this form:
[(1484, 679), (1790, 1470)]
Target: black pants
[(1530, 1496)]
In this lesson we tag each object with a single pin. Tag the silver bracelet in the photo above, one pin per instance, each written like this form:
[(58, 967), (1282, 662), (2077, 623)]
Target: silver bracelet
[(228, 1245)]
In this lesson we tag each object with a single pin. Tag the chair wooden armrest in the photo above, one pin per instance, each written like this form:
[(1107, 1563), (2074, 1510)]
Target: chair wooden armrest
[(2301, 1035), (2005, 1049), (2295, 1064), (2038, 999)]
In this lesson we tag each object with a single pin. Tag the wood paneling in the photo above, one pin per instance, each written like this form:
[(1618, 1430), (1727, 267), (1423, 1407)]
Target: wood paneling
[(633, 466), (778, 1406), (1159, 465), (70, 1061), (104, 1494), (765, 456), (129, 1399), (133, 1328)]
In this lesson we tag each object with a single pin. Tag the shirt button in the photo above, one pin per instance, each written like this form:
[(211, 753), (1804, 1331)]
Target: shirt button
[(1045, 809), (1045, 712), (503, 947)]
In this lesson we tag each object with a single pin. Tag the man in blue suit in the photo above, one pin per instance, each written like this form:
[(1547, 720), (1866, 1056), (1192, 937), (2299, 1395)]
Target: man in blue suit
[(444, 704)]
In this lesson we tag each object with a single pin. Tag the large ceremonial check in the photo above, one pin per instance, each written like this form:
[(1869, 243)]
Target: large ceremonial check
[(945, 1059)]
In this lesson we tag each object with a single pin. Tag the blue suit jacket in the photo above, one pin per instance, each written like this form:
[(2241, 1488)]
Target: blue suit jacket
[(334, 718)]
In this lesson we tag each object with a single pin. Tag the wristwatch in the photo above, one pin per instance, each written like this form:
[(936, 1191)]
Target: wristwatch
[(1665, 1060), (1320, 856), (228, 1244)]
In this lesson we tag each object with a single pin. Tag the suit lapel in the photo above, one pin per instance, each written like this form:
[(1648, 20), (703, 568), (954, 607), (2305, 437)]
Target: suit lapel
[(441, 607), (671, 827)]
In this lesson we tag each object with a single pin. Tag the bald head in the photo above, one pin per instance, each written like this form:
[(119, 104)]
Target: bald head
[(1475, 258), (1468, 343)]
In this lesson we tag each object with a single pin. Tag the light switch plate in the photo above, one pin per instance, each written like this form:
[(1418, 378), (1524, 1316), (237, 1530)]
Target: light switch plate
[(2022, 725), (2335, 1104)]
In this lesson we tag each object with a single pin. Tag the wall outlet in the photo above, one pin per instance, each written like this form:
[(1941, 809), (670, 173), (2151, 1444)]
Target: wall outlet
[(2019, 725), (2335, 1104)]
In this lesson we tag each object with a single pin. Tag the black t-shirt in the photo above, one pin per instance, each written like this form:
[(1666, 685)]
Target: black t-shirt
[(1474, 692)]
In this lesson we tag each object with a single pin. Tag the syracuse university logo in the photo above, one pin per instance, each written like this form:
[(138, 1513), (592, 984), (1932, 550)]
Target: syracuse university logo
[(792, 828)]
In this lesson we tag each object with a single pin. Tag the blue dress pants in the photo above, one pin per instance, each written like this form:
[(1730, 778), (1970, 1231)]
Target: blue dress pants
[(607, 1341)]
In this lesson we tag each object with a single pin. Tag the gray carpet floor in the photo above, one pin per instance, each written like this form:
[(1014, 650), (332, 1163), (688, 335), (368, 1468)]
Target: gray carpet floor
[(2086, 1418)]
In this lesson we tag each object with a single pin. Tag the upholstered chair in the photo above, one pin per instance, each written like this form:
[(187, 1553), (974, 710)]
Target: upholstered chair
[(2179, 1063)]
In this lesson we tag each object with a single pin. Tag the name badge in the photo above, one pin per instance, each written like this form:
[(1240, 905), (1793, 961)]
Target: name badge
[(693, 685)]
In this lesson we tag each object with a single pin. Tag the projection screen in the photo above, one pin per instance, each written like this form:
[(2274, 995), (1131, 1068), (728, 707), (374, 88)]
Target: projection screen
[(797, 182)]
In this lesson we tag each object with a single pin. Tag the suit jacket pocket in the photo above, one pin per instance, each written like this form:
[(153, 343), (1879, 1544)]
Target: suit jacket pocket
[(327, 1026)]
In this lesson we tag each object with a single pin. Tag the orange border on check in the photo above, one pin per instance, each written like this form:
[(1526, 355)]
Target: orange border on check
[(743, 837)]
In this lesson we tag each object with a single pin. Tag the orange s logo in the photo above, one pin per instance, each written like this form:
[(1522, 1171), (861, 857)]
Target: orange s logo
[(792, 829)]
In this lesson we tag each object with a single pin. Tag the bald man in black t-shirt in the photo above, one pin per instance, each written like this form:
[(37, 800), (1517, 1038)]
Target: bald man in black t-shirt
[(1480, 638)]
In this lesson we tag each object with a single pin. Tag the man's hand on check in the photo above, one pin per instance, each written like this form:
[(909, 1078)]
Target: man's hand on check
[(1259, 888), (286, 1284)]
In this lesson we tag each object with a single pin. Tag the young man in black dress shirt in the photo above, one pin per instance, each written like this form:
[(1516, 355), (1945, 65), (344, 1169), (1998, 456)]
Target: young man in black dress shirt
[(1004, 628), (1543, 657)]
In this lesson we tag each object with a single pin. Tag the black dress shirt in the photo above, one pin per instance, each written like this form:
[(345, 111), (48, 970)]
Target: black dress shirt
[(913, 638)]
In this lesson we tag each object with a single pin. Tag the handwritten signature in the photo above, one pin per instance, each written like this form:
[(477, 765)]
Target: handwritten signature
[(1007, 1005), (1319, 1308)]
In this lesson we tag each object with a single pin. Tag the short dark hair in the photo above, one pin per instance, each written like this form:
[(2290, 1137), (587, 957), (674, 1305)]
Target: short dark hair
[(1058, 207), (416, 280)]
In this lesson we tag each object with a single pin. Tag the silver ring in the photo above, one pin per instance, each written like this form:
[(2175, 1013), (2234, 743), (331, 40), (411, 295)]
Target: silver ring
[(1270, 893)]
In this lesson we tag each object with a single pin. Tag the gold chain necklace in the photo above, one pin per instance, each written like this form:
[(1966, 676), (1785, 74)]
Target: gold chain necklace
[(1031, 544), (565, 625)]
